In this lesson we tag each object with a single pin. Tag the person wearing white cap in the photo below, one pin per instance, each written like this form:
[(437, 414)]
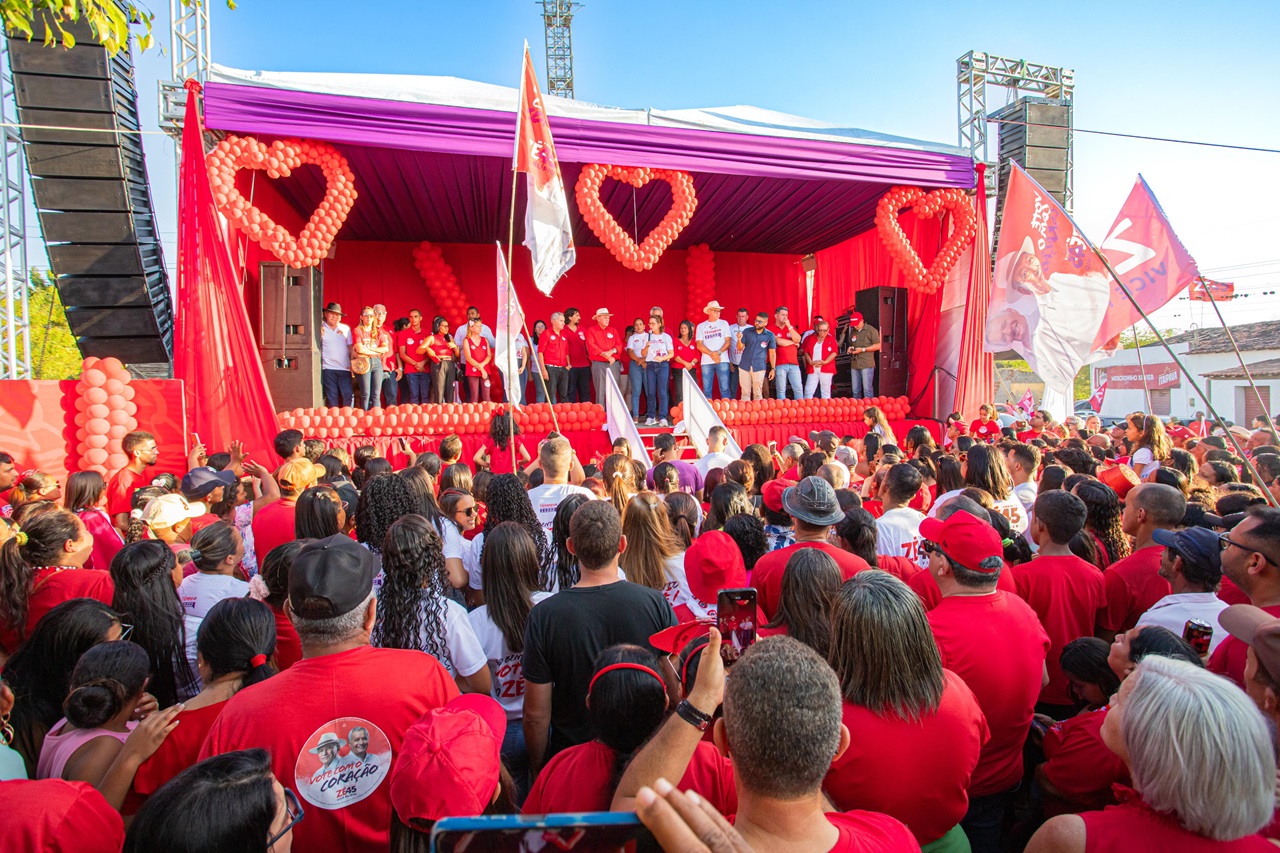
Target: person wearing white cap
[(713, 337), (604, 346)]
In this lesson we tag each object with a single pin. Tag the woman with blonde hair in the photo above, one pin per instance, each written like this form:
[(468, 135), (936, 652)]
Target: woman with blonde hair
[(1178, 727), (1148, 443), (619, 477), (654, 556), (877, 423)]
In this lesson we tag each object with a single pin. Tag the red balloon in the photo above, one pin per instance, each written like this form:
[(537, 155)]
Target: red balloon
[(96, 456), (116, 461)]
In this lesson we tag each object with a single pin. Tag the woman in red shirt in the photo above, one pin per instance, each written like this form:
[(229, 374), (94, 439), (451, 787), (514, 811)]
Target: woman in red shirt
[(476, 352), (87, 498), (685, 356), (442, 352), (986, 427), (916, 730), (236, 645)]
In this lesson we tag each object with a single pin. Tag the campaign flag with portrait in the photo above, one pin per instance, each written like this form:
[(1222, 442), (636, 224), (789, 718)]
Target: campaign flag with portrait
[(1050, 292), (506, 351)]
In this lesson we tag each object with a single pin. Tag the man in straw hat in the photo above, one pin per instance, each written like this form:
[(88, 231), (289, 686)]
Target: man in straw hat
[(335, 357), (604, 346), (713, 337)]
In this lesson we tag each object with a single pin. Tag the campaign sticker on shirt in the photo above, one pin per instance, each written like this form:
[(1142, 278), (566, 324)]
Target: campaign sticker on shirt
[(343, 762)]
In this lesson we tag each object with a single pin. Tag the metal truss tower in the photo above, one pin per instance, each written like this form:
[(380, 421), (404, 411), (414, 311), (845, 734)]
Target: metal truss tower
[(15, 324), (189, 57), (975, 71), (558, 15)]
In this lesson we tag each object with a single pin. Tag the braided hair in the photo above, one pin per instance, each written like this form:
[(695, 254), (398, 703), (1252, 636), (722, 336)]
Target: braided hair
[(411, 605), (508, 501), (384, 499), (1104, 513)]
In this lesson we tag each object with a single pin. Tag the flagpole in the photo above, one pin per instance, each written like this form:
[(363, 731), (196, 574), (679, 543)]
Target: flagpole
[(1248, 375), (1124, 288), (1137, 346)]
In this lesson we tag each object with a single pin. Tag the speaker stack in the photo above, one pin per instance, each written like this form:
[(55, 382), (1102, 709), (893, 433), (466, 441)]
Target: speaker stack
[(885, 310), (289, 334)]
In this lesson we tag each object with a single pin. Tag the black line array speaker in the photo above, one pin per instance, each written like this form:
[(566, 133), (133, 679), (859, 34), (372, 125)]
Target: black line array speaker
[(1035, 133), (884, 309), (289, 334)]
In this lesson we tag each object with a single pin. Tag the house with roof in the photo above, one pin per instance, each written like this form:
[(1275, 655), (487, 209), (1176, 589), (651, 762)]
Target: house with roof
[(1135, 375)]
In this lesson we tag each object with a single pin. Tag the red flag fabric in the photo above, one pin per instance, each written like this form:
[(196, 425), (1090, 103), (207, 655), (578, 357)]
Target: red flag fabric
[(214, 352), (1206, 290), (1095, 402), (1147, 256), (1028, 402), (547, 231)]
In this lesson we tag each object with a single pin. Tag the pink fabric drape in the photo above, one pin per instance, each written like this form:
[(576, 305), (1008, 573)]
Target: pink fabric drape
[(214, 352), (862, 262), (974, 377)]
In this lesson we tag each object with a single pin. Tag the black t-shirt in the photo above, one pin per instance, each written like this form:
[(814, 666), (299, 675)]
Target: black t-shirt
[(567, 631)]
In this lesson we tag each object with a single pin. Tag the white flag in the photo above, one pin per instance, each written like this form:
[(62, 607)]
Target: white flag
[(699, 418), (618, 422), (547, 231), (506, 351)]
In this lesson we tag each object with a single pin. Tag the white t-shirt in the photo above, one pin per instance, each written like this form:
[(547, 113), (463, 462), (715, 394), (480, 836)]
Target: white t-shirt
[(1012, 509), (460, 641), (678, 594), (636, 343), (506, 666), (1144, 462), (199, 592), (335, 347), (546, 500), (713, 334), (659, 346), (1174, 610), (941, 501), (898, 535), (1026, 495), (735, 330), (711, 461)]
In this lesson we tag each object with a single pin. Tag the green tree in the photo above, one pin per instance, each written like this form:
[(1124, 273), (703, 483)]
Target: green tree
[(112, 23), (54, 354)]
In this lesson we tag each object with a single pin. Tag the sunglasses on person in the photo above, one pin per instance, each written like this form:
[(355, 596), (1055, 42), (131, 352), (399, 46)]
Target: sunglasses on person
[(294, 809), (468, 512)]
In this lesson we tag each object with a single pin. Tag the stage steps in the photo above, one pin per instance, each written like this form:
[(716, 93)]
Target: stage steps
[(89, 183)]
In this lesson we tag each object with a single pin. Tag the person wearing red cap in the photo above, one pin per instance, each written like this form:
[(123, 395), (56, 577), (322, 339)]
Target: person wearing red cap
[(449, 766), (862, 342), (1251, 560), (1064, 590), (778, 527), (53, 816), (992, 640), (1134, 584), (813, 508)]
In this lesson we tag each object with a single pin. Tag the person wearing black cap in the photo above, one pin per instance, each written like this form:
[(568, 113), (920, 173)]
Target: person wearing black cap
[(862, 342), (335, 357), (342, 684), (1192, 564)]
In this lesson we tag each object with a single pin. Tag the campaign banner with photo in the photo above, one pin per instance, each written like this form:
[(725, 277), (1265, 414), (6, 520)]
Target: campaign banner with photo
[(1152, 377), (1050, 292)]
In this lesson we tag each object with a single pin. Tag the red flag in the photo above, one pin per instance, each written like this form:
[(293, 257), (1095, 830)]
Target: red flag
[(547, 231), (1205, 290), (1095, 402), (1147, 256), (214, 352)]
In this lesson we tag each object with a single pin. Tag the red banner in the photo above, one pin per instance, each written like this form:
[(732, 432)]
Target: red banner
[(1095, 402), (1205, 290), (1129, 377)]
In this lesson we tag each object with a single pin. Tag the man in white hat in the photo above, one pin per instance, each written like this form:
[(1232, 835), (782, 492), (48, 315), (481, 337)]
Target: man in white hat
[(604, 346), (713, 337)]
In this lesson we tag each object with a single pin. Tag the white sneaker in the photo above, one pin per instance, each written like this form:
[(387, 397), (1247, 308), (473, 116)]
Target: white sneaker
[(649, 422), (663, 423)]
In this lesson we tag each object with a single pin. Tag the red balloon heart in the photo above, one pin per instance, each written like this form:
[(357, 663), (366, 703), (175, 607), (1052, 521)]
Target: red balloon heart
[(925, 206), (642, 257)]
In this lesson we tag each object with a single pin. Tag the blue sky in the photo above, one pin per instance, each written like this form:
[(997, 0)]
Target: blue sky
[(1168, 69)]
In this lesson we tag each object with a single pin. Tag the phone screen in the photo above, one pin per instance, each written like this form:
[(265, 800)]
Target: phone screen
[(595, 832), (736, 619)]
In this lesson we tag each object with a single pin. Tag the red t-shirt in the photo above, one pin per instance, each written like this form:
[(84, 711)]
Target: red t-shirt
[(916, 771), (51, 587), (786, 354), (825, 348), (925, 585), (409, 341), (577, 338), (987, 432), (1066, 593), (500, 460), (870, 832), (1080, 765), (1229, 657), (767, 576), (479, 350), (600, 341), (1024, 437), (1133, 587), (347, 799), (120, 491), (1230, 593), (686, 353), (1134, 827), (900, 567), (554, 348), (273, 525), (996, 644), (577, 780), (441, 346), (874, 506), (288, 646), (179, 750)]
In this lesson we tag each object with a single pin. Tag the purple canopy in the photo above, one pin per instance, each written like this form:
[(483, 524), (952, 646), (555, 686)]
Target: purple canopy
[(443, 173)]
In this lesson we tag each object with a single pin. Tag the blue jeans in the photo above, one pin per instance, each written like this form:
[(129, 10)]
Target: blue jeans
[(733, 381), (337, 387), (984, 822), (657, 375), (636, 375), (390, 390), (515, 757), (524, 385), (721, 373), (371, 385), (863, 380), (419, 387), (784, 373)]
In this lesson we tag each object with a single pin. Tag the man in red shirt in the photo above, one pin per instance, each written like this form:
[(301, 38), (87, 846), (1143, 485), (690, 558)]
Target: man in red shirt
[(820, 349), (332, 725), (416, 371), (604, 346), (992, 640), (579, 358), (274, 524), (143, 452), (1251, 560), (813, 507), (553, 359), (1065, 591), (1134, 584), (1039, 419), (787, 363), (782, 726)]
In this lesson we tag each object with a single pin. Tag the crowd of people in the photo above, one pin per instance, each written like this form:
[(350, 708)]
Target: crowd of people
[(1064, 638), (568, 358)]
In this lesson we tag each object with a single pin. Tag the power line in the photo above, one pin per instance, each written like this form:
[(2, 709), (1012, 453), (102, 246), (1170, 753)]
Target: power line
[(1143, 137)]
